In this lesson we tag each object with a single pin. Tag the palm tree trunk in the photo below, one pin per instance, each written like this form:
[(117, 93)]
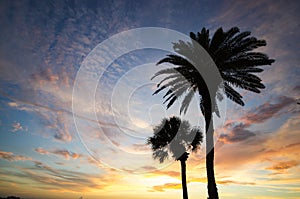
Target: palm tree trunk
[(183, 179), (210, 153), (207, 111)]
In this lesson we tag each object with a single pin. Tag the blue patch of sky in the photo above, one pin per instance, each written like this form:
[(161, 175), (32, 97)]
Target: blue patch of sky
[(129, 61)]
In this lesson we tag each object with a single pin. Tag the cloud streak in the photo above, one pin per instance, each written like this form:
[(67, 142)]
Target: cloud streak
[(59, 152), (9, 156), (44, 177), (282, 166), (239, 130), (268, 110), (17, 127)]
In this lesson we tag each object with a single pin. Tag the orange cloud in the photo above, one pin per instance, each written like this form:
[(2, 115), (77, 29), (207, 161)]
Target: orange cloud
[(170, 173), (41, 151), (283, 165), (220, 181), (275, 151), (40, 178), (226, 182), (67, 154), (161, 188), (202, 180)]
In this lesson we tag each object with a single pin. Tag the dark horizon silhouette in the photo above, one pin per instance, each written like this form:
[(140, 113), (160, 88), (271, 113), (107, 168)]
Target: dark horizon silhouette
[(11, 197)]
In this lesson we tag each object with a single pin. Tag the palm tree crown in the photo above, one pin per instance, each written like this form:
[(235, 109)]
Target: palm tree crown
[(232, 53), (173, 137)]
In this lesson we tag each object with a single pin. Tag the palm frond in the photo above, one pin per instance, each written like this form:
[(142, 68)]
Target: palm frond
[(176, 75), (164, 72), (216, 40), (247, 80), (245, 62), (159, 89), (233, 94), (198, 138), (186, 101), (230, 33), (161, 155), (235, 40)]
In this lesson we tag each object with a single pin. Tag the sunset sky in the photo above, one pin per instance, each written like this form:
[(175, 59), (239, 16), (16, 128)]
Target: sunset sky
[(97, 149)]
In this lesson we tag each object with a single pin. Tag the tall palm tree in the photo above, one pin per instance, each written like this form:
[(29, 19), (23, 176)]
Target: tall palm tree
[(173, 137), (232, 52)]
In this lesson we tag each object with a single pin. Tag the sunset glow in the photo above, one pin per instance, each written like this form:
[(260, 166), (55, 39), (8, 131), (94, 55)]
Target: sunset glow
[(49, 151)]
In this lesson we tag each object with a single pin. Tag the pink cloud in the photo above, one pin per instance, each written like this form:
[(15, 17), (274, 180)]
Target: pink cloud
[(238, 130), (9, 156), (59, 152), (267, 110)]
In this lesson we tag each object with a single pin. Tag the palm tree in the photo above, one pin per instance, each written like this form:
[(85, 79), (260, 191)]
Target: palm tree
[(173, 137), (232, 52)]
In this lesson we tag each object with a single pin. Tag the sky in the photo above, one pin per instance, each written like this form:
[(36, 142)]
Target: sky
[(64, 135)]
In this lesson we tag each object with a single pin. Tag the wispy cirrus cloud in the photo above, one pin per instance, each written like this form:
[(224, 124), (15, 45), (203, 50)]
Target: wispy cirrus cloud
[(239, 129), (238, 132), (9, 156), (170, 173), (166, 186), (275, 152), (162, 188), (59, 152), (57, 121), (222, 180), (46, 68), (283, 166), (43, 177), (268, 110), (42, 50), (16, 126)]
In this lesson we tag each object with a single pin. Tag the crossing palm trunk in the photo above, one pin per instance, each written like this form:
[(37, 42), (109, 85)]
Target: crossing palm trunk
[(210, 152), (211, 182), (183, 179)]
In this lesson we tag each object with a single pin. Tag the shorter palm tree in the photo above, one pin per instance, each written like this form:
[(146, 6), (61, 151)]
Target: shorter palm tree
[(173, 137)]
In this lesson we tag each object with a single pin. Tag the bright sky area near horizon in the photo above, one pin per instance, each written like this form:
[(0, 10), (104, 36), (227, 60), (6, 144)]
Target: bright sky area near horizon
[(42, 155)]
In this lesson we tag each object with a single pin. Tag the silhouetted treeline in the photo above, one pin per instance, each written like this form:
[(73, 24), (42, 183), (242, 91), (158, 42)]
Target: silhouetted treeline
[(11, 197)]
